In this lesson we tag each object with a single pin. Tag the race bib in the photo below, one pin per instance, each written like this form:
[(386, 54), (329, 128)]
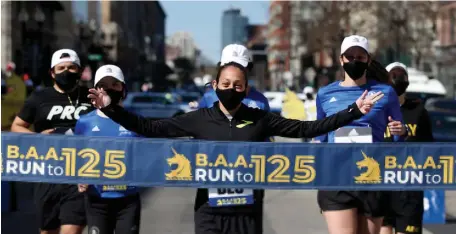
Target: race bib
[(230, 197), (353, 135), (111, 188)]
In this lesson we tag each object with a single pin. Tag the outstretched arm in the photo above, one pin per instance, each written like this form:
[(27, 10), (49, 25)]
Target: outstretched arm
[(279, 126), (179, 126), (175, 127)]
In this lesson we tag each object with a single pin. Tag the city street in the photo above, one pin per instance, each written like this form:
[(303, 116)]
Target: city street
[(170, 211)]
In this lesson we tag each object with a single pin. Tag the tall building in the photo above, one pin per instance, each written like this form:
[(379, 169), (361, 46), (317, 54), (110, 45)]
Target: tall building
[(185, 44), (133, 33), (29, 36), (234, 27), (142, 24)]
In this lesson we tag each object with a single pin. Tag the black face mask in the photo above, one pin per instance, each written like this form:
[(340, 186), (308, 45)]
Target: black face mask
[(230, 98), (67, 80), (400, 84), (115, 95), (355, 69)]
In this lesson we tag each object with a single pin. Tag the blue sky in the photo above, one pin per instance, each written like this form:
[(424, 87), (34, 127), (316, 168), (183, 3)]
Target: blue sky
[(203, 20)]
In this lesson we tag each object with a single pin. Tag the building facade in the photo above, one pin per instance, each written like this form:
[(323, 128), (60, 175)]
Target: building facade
[(29, 37), (233, 27), (185, 44), (278, 41), (257, 44), (138, 30)]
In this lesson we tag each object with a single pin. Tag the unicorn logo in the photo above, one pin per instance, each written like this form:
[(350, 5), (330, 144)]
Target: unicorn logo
[(372, 174), (183, 170)]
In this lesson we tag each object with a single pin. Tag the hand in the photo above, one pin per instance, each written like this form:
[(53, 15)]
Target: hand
[(396, 128), (99, 98), (48, 131), (365, 103), (82, 187)]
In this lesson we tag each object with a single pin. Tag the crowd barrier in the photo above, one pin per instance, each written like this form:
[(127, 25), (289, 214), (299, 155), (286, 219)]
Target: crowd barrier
[(192, 163)]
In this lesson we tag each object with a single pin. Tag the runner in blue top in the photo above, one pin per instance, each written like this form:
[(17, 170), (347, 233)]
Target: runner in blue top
[(109, 208), (357, 211)]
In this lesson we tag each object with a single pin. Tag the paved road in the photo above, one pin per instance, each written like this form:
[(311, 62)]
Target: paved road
[(170, 211)]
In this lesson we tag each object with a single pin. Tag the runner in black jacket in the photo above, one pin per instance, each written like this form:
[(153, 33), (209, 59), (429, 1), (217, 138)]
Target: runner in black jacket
[(406, 210), (229, 120)]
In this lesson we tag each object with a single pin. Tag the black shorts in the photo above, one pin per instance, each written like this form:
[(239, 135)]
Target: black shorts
[(368, 203), (59, 204), (239, 223), (106, 215), (405, 213)]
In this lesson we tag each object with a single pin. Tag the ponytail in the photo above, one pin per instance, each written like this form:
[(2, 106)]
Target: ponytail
[(378, 72)]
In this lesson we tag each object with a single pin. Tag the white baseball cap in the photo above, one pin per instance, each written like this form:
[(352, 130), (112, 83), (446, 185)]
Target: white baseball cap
[(235, 53), (109, 70), (65, 55), (391, 66), (354, 40), (308, 89)]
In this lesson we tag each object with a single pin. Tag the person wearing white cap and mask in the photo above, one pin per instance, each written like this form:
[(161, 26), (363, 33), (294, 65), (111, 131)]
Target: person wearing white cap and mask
[(405, 208), (254, 98), (357, 211), (60, 207), (110, 208), (229, 211)]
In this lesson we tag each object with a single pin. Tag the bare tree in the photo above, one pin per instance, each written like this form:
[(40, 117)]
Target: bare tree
[(405, 26), (421, 30)]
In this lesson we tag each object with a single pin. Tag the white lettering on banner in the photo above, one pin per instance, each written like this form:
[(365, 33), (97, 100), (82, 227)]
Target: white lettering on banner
[(67, 112), (412, 177), (214, 175), (21, 167)]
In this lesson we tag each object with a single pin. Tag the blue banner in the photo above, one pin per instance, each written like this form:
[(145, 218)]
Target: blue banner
[(179, 163)]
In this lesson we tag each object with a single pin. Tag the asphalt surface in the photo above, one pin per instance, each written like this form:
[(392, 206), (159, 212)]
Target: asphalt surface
[(170, 211)]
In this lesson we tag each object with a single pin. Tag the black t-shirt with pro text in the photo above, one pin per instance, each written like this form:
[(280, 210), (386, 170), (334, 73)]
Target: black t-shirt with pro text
[(47, 108)]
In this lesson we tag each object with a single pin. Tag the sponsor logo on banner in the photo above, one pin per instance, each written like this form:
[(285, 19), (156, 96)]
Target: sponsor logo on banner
[(183, 170), (372, 174), (240, 169), (430, 171)]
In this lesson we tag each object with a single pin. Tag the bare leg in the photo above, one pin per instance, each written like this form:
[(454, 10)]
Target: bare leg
[(71, 229), (341, 221), (369, 225), (386, 230)]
